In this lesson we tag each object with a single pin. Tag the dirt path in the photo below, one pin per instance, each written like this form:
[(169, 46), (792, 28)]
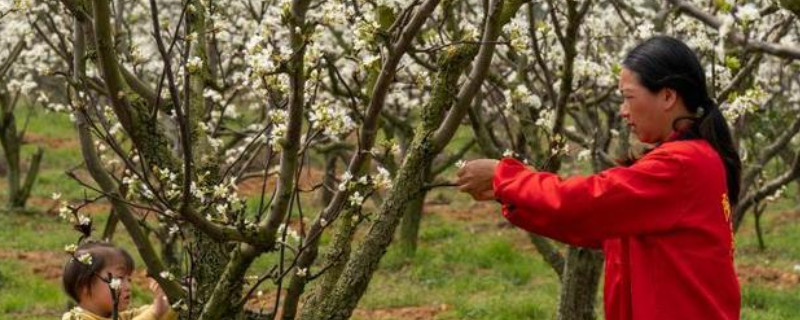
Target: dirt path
[(769, 276), (50, 142)]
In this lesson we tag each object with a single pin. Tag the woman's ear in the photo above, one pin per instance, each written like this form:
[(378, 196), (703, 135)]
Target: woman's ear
[(669, 98)]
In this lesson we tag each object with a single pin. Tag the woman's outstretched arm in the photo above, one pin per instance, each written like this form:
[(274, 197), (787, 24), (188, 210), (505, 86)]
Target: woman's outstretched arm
[(644, 198)]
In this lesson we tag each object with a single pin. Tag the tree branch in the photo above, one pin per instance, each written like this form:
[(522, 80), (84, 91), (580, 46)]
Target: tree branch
[(143, 245), (769, 188), (502, 12), (760, 46)]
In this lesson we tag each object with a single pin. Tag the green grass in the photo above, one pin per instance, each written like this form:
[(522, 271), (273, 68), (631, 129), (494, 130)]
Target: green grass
[(23, 295), (765, 300), (764, 303), (35, 232), (486, 275)]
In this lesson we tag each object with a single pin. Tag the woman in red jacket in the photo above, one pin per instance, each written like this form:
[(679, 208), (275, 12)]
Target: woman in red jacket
[(664, 223)]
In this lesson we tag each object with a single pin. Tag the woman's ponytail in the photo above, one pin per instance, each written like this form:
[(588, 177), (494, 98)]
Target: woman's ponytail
[(713, 128)]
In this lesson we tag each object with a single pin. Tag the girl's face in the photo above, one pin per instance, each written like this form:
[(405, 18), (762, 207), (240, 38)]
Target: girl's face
[(99, 300), (646, 113)]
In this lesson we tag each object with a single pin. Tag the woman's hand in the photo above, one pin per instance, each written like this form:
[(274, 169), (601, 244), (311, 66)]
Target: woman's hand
[(160, 304), (475, 178)]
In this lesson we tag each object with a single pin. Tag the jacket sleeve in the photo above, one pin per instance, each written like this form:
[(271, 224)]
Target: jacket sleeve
[(644, 198), (569, 238)]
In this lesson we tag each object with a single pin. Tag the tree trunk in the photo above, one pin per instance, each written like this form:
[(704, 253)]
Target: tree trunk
[(409, 228), (579, 284), (209, 260), (8, 137), (11, 140), (357, 273)]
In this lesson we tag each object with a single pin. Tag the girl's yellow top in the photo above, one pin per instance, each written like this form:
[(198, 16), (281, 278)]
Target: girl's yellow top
[(141, 313)]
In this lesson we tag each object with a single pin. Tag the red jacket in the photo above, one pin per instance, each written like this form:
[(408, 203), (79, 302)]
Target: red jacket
[(664, 226)]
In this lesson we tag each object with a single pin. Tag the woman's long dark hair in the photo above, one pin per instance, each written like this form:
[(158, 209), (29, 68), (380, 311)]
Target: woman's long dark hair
[(665, 62)]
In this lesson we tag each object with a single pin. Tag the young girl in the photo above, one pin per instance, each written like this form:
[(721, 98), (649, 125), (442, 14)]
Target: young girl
[(664, 223), (89, 276)]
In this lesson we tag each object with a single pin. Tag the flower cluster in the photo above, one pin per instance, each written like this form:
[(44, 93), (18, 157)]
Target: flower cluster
[(521, 96), (293, 235), (85, 258), (136, 189), (545, 120), (331, 119), (776, 195), (748, 13), (71, 215), (279, 119), (380, 181), (365, 32), (224, 198), (516, 35), (383, 180), (169, 183), (739, 105), (194, 64), (167, 275), (335, 13)]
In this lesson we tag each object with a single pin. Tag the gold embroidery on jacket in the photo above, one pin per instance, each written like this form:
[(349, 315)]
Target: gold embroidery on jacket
[(726, 209)]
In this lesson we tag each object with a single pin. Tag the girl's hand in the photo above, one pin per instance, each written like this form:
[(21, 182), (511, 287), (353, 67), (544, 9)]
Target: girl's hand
[(160, 303), (475, 178)]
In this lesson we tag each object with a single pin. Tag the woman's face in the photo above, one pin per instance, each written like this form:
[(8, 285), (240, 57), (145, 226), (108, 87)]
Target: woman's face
[(645, 112)]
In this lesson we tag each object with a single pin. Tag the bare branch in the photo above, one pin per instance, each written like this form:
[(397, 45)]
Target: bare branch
[(767, 189)]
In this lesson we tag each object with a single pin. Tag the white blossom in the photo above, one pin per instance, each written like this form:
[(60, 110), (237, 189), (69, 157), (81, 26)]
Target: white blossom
[(65, 212), (166, 275), (222, 208), (115, 284), (748, 13), (471, 32), (776, 195), (345, 179), (333, 13), (545, 119), (173, 230), (383, 180), (194, 64), (516, 35), (750, 101), (215, 143), (356, 199), (584, 154), (84, 220), (645, 30), (85, 258), (332, 120)]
